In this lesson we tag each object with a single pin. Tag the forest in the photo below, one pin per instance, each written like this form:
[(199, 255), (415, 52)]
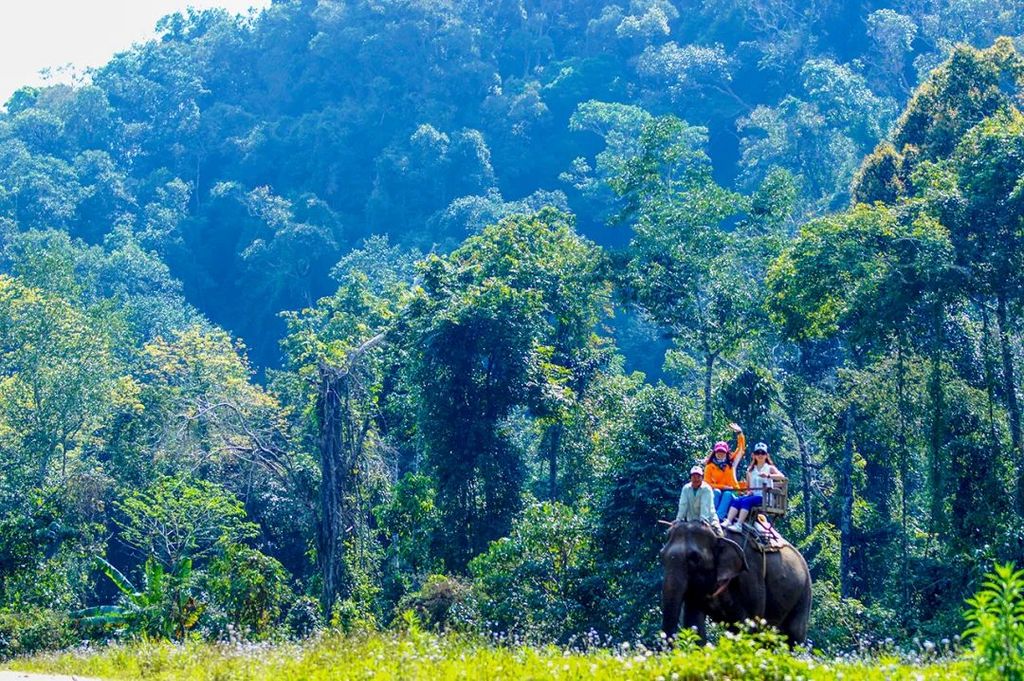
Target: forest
[(365, 315)]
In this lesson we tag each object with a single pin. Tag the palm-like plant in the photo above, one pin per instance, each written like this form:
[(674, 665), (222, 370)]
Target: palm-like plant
[(162, 608)]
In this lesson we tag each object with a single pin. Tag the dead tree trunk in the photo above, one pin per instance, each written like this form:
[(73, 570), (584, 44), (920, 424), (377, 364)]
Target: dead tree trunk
[(332, 489)]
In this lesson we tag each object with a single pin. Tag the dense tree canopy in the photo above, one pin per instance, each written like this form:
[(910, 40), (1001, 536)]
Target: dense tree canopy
[(336, 310)]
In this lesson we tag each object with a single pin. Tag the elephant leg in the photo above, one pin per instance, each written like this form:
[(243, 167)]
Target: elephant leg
[(795, 625), (671, 605), (695, 620)]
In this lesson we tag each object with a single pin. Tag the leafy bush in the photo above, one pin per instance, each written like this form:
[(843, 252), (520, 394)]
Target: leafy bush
[(845, 624), (995, 617), (304, 617), (443, 603), (360, 610), (531, 583), (32, 630), (250, 588), (409, 519)]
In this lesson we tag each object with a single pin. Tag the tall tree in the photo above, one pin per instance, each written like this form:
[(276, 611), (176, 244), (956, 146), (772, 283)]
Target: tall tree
[(502, 324)]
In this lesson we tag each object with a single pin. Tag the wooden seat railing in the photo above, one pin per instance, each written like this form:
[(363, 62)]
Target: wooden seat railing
[(776, 499)]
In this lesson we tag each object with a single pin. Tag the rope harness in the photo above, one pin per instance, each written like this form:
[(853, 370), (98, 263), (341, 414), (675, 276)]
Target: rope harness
[(763, 550)]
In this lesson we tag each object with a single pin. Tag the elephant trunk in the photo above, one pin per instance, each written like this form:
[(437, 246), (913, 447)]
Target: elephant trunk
[(672, 596)]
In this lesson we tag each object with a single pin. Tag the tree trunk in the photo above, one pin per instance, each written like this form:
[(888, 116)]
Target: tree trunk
[(709, 370), (989, 363), (805, 470), (1010, 386), (554, 444), (904, 468), (332, 455), (937, 482), (846, 505)]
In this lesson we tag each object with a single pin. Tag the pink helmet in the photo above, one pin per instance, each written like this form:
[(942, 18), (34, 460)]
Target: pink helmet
[(721, 447)]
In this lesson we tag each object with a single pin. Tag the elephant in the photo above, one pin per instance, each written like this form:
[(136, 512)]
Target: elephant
[(707, 575)]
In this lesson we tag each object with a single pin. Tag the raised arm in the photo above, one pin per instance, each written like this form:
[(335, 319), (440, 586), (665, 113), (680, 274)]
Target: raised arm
[(741, 444)]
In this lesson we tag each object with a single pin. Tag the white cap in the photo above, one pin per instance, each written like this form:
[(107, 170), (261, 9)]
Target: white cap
[(699, 470)]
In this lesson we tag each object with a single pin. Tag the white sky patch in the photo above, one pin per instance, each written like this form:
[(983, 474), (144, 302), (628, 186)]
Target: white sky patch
[(51, 34)]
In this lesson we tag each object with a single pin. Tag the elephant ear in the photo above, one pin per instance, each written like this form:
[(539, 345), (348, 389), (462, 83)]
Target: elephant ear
[(730, 560)]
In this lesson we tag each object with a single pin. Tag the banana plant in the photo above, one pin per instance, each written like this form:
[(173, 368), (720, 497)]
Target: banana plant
[(161, 608)]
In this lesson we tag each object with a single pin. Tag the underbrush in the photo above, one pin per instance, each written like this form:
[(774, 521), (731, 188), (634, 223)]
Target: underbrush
[(419, 655)]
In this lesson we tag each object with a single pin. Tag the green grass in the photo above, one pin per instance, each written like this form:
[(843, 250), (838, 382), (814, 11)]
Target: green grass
[(423, 656)]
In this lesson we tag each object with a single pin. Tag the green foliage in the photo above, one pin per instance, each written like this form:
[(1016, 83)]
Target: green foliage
[(444, 603), (856, 272), (359, 610), (409, 522), (651, 451), (843, 625), (534, 584), (304, 617), (27, 631), (819, 135), (417, 654), (176, 519), (163, 607), (250, 588), (971, 86), (995, 617), (498, 326)]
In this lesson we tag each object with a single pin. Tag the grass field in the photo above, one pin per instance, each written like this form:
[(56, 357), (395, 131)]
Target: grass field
[(419, 655)]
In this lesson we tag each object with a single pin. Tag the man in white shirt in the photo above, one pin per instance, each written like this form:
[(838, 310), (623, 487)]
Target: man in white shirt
[(697, 500)]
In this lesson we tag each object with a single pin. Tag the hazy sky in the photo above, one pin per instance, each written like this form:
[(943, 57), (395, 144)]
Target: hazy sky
[(35, 34)]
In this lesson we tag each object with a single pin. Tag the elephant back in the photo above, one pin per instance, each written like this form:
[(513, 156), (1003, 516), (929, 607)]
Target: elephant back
[(786, 579)]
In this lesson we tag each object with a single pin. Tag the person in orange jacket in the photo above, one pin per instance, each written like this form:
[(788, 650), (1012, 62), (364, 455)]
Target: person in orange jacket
[(720, 470)]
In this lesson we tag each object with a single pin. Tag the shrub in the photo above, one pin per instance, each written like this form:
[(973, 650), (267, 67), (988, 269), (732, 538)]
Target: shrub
[(995, 617), (304, 617), (33, 630), (532, 583), (249, 587), (845, 624), (443, 604)]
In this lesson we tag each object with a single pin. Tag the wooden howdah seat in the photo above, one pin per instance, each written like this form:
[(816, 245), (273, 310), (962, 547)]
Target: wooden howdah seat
[(775, 504), (776, 500)]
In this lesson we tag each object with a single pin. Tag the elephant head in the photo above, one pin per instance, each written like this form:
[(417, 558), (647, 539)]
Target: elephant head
[(699, 564)]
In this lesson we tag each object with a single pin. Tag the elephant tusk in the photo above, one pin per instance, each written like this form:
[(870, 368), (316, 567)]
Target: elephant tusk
[(720, 589)]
